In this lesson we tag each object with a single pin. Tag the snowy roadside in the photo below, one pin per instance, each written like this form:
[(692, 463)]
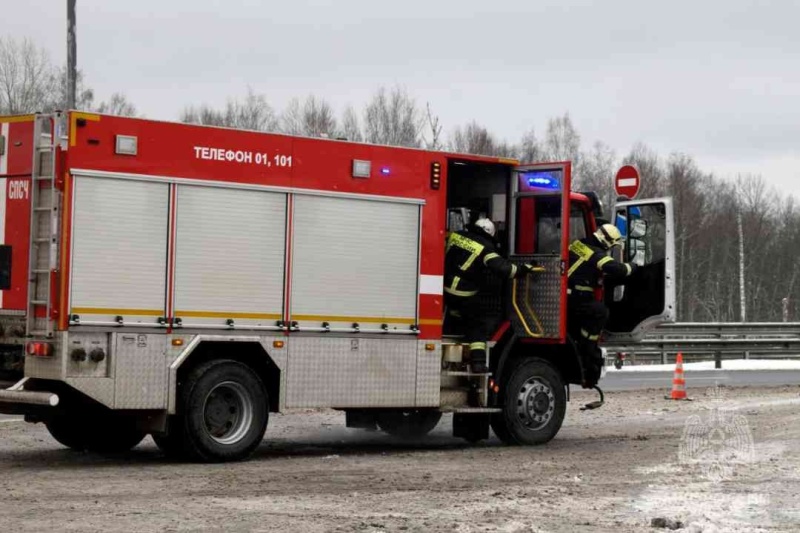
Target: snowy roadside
[(728, 364)]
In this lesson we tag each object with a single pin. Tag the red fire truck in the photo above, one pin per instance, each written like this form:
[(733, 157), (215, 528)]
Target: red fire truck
[(185, 281)]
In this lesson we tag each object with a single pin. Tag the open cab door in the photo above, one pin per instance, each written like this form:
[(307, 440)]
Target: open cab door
[(540, 217), (647, 297)]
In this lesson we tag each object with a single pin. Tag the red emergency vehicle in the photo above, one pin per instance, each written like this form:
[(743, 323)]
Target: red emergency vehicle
[(185, 281)]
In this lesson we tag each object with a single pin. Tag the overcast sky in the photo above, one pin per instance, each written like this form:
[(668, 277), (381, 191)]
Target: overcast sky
[(717, 79)]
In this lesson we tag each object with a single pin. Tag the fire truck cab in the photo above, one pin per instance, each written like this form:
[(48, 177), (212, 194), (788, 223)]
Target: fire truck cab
[(186, 281)]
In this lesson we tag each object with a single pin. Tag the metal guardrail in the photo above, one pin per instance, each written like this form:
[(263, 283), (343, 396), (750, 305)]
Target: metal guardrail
[(704, 341)]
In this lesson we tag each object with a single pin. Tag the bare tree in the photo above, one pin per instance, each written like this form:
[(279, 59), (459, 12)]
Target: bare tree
[(251, 113), (203, 114), (562, 141), (531, 150), (595, 172), (476, 139), (351, 129), (434, 126), (472, 139), (26, 77), (392, 117), (118, 105), (313, 118), (58, 97), (30, 83)]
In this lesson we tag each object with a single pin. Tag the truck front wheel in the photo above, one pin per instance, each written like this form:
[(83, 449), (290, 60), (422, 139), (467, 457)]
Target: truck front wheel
[(223, 411), (534, 404)]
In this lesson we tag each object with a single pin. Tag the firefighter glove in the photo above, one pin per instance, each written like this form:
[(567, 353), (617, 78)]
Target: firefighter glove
[(527, 268)]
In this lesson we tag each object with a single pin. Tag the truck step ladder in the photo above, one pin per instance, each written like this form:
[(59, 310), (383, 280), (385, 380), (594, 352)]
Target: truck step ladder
[(462, 390), (43, 243)]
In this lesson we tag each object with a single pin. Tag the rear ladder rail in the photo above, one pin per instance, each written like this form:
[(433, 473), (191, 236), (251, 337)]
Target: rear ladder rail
[(43, 245)]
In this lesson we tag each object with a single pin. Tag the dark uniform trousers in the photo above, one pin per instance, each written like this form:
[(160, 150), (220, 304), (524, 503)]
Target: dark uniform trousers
[(472, 321), (469, 257), (586, 318)]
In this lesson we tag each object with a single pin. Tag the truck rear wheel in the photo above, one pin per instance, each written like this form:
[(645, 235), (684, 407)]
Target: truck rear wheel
[(106, 433), (534, 404), (67, 433), (409, 424), (223, 412)]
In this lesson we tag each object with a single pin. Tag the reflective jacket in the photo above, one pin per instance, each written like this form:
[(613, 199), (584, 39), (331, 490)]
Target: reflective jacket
[(469, 255), (589, 263)]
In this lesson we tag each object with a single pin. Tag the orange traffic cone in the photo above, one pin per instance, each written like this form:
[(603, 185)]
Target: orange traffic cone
[(678, 382)]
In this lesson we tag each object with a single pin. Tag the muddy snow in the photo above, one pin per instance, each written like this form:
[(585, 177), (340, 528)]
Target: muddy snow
[(728, 461)]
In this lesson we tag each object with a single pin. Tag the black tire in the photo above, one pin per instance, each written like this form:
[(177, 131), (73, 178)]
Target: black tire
[(534, 404), (103, 433), (66, 432), (223, 412), (409, 424)]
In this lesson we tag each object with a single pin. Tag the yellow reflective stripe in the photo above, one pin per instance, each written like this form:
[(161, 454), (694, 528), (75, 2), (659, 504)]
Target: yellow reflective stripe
[(489, 257), (627, 266), (474, 248), (574, 266), (583, 288), (590, 337), (365, 319), (455, 292), (226, 314), (583, 252), (453, 289), (513, 272), (478, 346), (603, 261), (17, 118), (116, 311)]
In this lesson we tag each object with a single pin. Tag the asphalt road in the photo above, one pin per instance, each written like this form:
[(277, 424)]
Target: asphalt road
[(616, 380)]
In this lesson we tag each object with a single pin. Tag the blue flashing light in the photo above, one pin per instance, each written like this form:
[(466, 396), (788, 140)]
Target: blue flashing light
[(385, 171), (542, 180)]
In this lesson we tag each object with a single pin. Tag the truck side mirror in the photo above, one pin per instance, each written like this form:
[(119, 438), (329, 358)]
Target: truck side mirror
[(638, 228)]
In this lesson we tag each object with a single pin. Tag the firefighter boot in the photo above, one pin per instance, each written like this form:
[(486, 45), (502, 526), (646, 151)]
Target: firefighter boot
[(591, 362), (477, 358)]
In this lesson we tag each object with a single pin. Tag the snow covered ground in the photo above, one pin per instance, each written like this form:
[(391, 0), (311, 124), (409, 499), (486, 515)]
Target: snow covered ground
[(735, 364)]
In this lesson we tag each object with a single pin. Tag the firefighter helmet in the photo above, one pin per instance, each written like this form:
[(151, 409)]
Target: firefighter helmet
[(486, 225), (608, 235)]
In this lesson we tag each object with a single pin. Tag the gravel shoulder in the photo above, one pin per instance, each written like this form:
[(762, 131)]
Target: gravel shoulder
[(616, 469)]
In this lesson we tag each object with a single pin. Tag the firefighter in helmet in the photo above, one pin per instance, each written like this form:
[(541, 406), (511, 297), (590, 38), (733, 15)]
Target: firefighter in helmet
[(470, 253), (590, 264)]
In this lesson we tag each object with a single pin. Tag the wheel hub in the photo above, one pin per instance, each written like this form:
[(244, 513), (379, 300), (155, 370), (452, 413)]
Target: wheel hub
[(535, 403), (228, 412)]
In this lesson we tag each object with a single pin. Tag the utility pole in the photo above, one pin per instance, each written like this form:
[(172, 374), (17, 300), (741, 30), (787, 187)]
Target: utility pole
[(741, 268), (72, 51)]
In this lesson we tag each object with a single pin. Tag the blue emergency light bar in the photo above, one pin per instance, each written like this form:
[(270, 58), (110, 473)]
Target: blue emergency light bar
[(541, 179)]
